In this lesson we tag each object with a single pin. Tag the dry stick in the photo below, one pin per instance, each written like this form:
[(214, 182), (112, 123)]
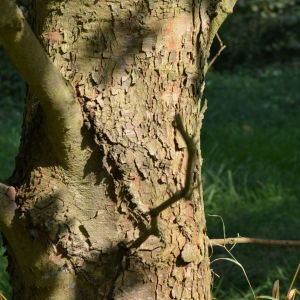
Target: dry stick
[(222, 47), (248, 240)]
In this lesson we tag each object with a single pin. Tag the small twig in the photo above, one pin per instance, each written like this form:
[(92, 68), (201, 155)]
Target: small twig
[(222, 47), (186, 191), (248, 240)]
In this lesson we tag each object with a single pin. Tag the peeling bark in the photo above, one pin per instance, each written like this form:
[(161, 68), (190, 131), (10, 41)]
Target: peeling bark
[(133, 66)]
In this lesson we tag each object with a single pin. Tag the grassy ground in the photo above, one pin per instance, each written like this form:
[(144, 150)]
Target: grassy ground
[(251, 150), (250, 142)]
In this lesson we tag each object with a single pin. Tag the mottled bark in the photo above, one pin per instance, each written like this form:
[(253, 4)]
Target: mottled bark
[(87, 229)]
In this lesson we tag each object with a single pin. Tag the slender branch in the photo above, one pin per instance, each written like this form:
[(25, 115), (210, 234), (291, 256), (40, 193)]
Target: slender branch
[(222, 47), (56, 95), (248, 240)]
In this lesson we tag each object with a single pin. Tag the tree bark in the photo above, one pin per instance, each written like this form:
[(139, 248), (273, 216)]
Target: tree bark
[(99, 210)]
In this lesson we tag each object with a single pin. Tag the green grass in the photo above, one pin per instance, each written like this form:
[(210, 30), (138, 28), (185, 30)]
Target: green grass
[(250, 145)]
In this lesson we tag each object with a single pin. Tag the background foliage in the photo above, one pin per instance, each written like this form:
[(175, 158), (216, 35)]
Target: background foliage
[(261, 32), (250, 144), (12, 94)]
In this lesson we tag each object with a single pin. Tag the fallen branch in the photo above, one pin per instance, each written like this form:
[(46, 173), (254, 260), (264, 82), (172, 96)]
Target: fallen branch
[(248, 240)]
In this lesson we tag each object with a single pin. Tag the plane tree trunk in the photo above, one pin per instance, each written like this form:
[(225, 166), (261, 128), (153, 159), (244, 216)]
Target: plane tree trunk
[(108, 200)]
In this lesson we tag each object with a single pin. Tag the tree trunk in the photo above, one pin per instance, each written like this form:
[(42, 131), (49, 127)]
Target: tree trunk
[(97, 162)]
